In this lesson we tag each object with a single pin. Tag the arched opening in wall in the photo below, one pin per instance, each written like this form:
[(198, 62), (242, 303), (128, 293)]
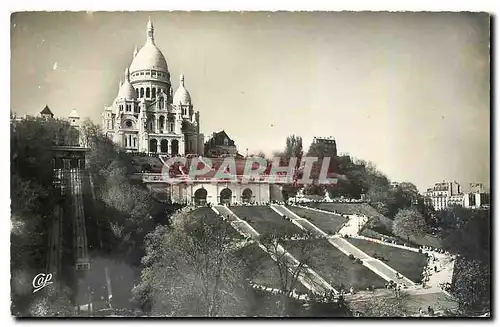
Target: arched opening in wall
[(162, 123), (59, 163), (246, 196), (136, 93), (153, 92), (226, 196), (200, 197), (142, 92), (175, 147), (164, 146), (153, 145), (74, 163), (148, 94)]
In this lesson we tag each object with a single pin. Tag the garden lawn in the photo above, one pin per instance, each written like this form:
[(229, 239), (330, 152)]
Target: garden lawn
[(329, 223), (335, 267), (263, 270), (209, 217), (266, 220), (408, 263)]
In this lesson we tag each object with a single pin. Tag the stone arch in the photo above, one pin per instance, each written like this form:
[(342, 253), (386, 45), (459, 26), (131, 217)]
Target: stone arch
[(246, 196), (153, 145), (175, 147), (200, 197), (164, 146), (226, 195)]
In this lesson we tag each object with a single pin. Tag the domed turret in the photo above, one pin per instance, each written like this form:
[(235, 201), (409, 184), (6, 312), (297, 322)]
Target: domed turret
[(149, 56), (127, 91), (182, 96)]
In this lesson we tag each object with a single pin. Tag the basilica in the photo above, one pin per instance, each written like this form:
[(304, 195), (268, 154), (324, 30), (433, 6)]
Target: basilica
[(146, 115)]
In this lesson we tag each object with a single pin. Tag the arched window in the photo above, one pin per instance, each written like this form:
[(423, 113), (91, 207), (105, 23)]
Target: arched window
[(162, 122), (142, 92), (153, 90), (148, 94), (137, 93)]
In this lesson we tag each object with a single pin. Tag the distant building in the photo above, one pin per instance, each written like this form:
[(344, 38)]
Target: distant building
[(220, 144), (478, 197), (329, 145), (394, 184), (71, 137), (445, 194), (46, 113)]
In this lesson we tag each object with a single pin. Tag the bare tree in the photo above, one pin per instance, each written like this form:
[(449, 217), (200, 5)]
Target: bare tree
[(290, 268), (190, 270)]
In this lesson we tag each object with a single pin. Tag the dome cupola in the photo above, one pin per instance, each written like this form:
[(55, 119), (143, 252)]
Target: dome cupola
[(182, 96), (127, 91), (149, 57)]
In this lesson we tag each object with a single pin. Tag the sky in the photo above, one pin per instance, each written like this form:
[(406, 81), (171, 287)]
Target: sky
[(409, 92)]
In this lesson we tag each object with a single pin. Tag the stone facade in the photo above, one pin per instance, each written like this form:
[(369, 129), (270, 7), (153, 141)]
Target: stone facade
[(146, 116)]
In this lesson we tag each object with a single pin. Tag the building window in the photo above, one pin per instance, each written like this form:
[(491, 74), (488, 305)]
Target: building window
[(147, 73), (147, 92), (142, 92), (162, 122), (136, 93), (171, 127), (121, 107), (135, 139), (128, 123), (226, 141), (153, 91), (142, 73)]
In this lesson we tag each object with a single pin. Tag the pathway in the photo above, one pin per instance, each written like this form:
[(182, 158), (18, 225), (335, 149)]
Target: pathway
[(444, 262), (309, 278), (350, 228)]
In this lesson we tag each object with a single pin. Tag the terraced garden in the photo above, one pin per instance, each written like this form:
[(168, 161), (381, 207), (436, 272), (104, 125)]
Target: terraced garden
[(329, 223), (263, 270), (408, 263), (334, 266), (265, 220)]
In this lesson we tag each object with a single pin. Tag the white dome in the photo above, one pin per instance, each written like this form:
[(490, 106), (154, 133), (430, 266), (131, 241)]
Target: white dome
[(149, 57), (126, 91), (182, 96)]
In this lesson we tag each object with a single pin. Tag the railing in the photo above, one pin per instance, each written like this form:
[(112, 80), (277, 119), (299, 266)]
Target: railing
[(155, 177)]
